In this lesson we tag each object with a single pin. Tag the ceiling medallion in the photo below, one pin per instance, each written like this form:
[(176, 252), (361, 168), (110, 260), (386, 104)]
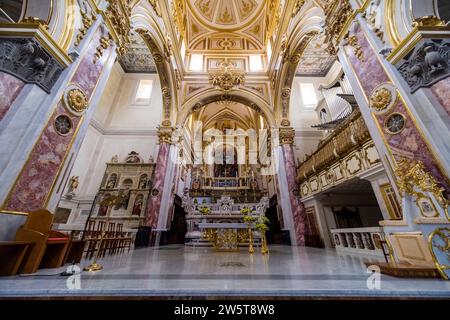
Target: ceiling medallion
[(75, 100), (383, 97), (395, 123), (226, 78)]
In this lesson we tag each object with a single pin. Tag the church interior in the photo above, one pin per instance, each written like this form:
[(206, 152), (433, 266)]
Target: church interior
[(193, 148)]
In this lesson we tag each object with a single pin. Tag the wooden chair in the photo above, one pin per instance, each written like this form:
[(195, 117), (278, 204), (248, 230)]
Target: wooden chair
[(48, 246)]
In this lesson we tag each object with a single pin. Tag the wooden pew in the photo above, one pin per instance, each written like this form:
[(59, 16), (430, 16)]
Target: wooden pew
[(48, 247), (11, 256)]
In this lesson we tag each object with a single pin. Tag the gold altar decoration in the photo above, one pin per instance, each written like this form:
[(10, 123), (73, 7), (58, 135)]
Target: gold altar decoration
[(412, 174), (108, 202), (381, 99), (441, 235), (226, 78), (226, 239), (205, 210)]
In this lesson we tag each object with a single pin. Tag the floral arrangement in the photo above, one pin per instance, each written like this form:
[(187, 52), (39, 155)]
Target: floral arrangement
[(245, 211), (205, 210), (262, 224), (249, 219)]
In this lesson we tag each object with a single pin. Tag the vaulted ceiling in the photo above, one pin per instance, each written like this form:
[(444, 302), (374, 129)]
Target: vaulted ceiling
[(230, 25), (315, 60), (228, 114), (138, 58)]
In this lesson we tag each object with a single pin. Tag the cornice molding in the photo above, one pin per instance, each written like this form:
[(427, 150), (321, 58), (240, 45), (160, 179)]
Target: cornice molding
[(122, 132)]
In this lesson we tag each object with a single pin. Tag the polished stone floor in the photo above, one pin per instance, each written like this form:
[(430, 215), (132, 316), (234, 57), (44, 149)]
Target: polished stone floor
[(176, 270)]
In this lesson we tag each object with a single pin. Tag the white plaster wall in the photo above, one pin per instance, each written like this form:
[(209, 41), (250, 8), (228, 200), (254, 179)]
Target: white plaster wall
[(119, 126), (127, 114), (110, 93)]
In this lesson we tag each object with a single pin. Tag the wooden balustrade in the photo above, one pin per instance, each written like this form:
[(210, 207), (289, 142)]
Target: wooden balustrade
[(349, 135)]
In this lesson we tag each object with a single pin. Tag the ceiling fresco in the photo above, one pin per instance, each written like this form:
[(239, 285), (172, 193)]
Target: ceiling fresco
[(315, 61), (138, 58)]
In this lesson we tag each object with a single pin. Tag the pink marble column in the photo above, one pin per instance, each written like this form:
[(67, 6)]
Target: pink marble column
[(409, 143), (298, 209), (35, 182), (441, 90), (10, 88), (154, 202)]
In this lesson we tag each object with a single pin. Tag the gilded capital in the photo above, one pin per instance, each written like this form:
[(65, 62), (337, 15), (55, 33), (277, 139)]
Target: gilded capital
[(286, 135), (165, 134)]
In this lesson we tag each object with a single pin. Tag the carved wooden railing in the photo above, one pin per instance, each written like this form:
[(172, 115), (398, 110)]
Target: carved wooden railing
[(349, 135)]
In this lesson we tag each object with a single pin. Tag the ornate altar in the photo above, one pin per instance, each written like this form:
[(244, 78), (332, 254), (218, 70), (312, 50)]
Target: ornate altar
[(131, 180), (221, 225)]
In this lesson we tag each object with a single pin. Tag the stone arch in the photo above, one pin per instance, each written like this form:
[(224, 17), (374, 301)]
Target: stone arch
[(213, 95), (305, 27), (146, 25)]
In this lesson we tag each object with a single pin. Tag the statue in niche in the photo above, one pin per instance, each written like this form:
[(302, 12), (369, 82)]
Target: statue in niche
[(115, 159), (143, 181), (138, 203), (133, 157), (103, 210), (111, 181), (73, 185)]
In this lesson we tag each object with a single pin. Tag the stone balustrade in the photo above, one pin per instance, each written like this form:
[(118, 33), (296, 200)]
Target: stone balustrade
[(359, 240)]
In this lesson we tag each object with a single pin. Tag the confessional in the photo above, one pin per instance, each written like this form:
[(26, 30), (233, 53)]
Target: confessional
[(47, 247)]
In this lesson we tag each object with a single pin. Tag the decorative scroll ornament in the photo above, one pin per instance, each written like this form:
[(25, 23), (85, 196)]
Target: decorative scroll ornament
[(337, 13), (87, 21), (429, 63), (439, 243), (428, 21), (118, 13), (357, 50), (412, 176), (226, 78)]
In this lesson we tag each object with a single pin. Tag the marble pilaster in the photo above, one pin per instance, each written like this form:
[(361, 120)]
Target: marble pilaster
[(10, 88), (155, 199), (36, 180)]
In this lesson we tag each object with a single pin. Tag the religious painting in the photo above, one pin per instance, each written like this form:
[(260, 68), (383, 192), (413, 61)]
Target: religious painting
[(138, 204)]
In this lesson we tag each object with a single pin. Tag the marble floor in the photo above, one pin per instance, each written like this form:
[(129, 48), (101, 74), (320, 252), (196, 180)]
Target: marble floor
[(180, 271)]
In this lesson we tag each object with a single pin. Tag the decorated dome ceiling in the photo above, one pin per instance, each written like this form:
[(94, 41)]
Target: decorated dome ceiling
[(238, 25), (225, 15)]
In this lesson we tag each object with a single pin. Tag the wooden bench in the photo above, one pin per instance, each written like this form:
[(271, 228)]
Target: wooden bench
[(11, 256)]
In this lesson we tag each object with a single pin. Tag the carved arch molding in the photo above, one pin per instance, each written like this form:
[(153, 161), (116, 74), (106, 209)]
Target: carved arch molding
[(166, 77), (288, 70), (226, 97)]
